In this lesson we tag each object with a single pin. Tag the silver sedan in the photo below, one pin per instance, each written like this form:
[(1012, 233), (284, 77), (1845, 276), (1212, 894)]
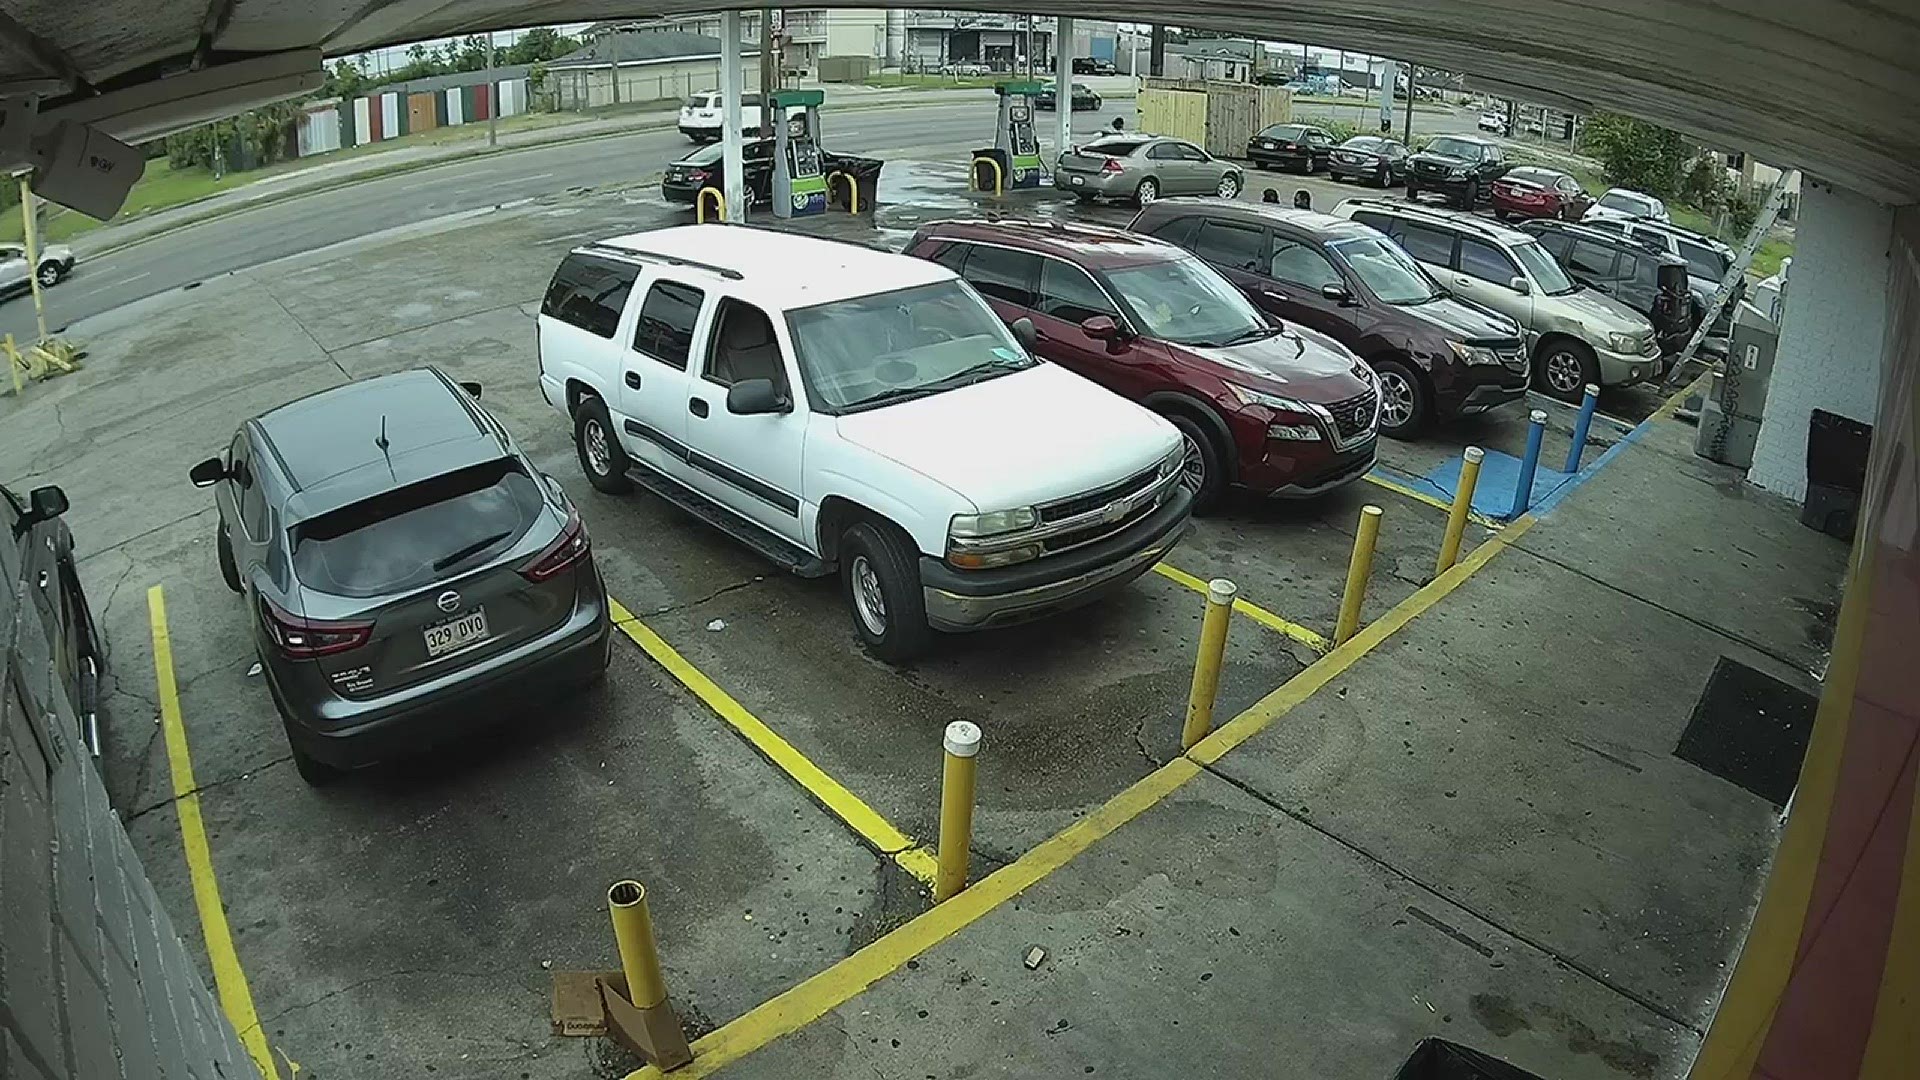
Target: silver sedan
[(1142, 168)]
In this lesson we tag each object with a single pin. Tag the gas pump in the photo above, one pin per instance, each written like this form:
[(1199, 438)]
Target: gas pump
[(1015, 146), (799, 188)]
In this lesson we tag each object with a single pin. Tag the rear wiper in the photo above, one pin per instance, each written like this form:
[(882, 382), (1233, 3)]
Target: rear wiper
[(469, 551)]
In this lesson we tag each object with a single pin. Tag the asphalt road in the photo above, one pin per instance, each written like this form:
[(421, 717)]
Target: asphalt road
[(304, 223)]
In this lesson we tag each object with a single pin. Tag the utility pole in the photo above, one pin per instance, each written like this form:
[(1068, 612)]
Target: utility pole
[(613, 46), (1413, 77), (1157, 51), (493, 93), (767, 78)]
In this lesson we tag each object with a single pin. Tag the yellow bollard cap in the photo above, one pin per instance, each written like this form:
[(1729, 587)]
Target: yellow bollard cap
[(1474, 453), (963, 738), (1222, 591)]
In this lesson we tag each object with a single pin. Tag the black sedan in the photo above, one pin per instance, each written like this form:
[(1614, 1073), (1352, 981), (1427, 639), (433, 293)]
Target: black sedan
[(1291, 146), (1084, 99), (1369, 159), (59, 658), (702, 168)]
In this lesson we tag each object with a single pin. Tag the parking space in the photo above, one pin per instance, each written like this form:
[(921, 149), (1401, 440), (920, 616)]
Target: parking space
[(489, 860)]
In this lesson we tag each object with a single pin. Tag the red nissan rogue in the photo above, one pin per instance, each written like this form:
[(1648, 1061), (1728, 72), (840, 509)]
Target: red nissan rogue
[(1287, 412)]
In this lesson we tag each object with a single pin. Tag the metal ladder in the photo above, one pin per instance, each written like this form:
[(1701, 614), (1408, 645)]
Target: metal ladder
[(1737, 273)]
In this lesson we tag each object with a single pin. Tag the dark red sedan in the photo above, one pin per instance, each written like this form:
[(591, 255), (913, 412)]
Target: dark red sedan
[(1532, 191), (1286, 412)]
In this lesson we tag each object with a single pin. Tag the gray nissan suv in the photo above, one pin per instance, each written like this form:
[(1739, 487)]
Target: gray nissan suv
[(408, 572)]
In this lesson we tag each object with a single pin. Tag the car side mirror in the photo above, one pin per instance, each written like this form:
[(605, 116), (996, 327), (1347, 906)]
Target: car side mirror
[(1024, 331), (754, 397), (208, 472), (43, 504), (1336, 293), (472, 388), (1520, 285), (1100, 328)]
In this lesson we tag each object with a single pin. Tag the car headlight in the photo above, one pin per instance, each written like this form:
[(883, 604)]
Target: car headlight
[(994, 523), (1172, 462), (1307, 431), (1623, 342), (1473, 354)]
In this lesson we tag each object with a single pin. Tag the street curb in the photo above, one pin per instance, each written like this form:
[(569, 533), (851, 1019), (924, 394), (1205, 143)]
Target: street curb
[(405, 167)]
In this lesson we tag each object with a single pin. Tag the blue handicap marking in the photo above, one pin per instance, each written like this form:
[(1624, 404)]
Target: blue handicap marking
[(1499, 477)]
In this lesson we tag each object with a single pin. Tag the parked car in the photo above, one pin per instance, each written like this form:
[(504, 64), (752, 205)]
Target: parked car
[(56, 626), (1651, 282), (1290, 146), (1436, 356), (1369, 158), (1622, 204), (1534, 191), (701, 114), (1709, 262), (1575, 335), (1460, 167), (1087, 65), (1084, 99), (56, 262), (1282, 412), (1143, 168), (409, 574), (1493, 122), (702, 167), (869, 417)]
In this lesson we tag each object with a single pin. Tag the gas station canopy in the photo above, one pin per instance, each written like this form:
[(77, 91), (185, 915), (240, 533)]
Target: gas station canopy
[(1826, 85)]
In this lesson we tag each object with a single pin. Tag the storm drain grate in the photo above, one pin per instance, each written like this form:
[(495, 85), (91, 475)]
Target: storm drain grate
[(1751, 729)]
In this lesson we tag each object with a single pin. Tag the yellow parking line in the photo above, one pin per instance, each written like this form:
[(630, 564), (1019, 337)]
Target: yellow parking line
[(1422, 497), (848, 807), (236, 999), (834, 987), (1252, 611)]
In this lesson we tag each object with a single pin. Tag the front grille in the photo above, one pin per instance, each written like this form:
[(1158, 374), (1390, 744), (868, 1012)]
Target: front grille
[(1428, 168), (1097, 498), (1513, 356), (1353, 417), (1099, 530)]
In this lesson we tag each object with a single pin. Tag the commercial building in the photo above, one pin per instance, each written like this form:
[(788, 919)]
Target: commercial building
[(627, 66)]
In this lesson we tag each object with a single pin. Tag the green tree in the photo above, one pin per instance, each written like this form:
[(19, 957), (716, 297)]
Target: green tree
[(1635, 154), (540, 43)]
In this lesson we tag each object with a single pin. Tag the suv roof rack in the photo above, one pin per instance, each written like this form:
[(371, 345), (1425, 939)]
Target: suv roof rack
[(1584, 230), (1449, 217), (602, 247)]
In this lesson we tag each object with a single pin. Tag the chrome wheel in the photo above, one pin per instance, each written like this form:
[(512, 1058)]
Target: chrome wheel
[(1563, 371), (1229, 186), (49, 275), (1193, 465), (1148, 192), (868, 601), (599, 458), (1396, 400)]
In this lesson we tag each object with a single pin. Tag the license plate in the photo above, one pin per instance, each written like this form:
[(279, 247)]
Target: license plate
[(456, 633), (1076, 181), (1269, 146)]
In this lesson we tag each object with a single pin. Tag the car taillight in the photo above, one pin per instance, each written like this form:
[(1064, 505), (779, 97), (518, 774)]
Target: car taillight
[(698, 174), (301, 638), (1112, 165), (570, 548)]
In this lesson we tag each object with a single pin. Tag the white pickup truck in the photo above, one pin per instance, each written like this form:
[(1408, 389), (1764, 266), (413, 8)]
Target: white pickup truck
[(701, 116), (840, 408)]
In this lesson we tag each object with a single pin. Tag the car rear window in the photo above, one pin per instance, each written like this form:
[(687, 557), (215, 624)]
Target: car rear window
[(1284, 131), (589, 292), (1113, 147), (401, 540)]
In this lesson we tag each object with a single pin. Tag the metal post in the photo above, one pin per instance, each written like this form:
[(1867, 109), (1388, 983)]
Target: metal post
[(493, 92), (1413, 78), (30, 220), (1062, 84), (613, 46), (639, 953), (1157, 51), (962, 742), (1457, 514), (1359, 569), (1206, 666), (1588, 405), (1523, 491), (768, 78), (732, 166)]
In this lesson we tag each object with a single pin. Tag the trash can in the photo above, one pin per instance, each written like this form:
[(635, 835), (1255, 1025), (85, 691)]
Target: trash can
[(865, 172), (1837, 449), (1438, 1059), (983, 174)]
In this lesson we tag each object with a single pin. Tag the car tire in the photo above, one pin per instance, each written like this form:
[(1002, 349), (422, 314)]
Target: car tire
[(1413, 193), (880, 578), (1385, 179), (1205, 469), (1470, 195), (229, 568), (1502, 215), (1562, 368), (1229, 186), (1086, 197), (1148, 191), (1406, 405), (50, 275), (602, 458)]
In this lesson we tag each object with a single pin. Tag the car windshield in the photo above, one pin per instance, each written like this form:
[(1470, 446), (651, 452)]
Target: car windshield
[(1540, 266), (1187, 302), (1460, 148), (1703, 261), (1627, 204), (1390, 273), (892, 346)]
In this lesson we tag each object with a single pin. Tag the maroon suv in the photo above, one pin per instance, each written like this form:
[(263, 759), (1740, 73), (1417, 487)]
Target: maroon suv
[(1282, 412)]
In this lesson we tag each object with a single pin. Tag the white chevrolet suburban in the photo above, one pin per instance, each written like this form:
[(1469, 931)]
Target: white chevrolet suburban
[(842, 409)]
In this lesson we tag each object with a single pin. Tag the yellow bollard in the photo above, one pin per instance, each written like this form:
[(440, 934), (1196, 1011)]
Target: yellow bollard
[(853, 189), (956, 808), (29, 222), (633, 933), (700, 204), (1358, 570), (999, 176), (1457, 516), (1206, 666), (13, 365)]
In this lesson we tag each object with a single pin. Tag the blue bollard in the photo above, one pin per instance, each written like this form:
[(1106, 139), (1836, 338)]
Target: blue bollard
[(1588, 406), (1523, 491)]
